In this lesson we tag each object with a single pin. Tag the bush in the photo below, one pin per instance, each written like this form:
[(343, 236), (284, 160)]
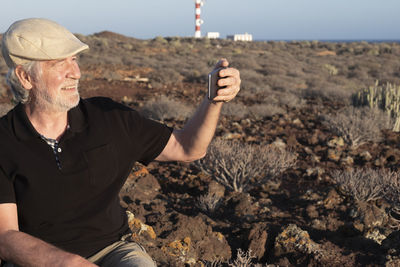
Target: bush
[(332, 70), (357, 125), (291, 100), (235, 109), (260, 111), (165, 108), (252, 80), (392, 192), (165, 76), (330, 92), (208, 203), (241, 166), (363, 185), (243, 259), (4, 108)]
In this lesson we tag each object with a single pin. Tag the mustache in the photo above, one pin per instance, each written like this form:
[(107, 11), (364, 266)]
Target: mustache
[(73, 84)]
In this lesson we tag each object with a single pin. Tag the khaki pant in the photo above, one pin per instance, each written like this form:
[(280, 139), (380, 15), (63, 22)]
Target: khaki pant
[(123, 254), (119, 254)]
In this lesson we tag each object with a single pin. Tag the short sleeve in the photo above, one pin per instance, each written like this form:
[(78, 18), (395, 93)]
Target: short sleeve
[(148, 136), (7, 193)]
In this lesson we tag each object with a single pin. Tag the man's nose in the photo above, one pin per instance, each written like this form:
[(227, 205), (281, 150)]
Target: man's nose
[(74, 71)]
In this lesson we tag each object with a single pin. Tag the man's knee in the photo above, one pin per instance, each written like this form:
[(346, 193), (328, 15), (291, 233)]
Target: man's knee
[(128, 254), (137, 258)]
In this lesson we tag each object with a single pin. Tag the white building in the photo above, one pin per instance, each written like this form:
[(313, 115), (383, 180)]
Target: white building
[(213, 35), (241, 37)]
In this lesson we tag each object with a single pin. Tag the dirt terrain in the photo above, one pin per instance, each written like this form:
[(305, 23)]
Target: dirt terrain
[(301, 217)]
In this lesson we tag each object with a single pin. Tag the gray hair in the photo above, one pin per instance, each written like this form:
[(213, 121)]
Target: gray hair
[(19, 92)]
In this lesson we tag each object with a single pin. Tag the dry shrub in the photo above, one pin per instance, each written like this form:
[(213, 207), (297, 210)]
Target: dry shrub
[(357, 125), (164, 108), (243, 259), (252, 80), (4, 108), (240, 166), (291, 100), (246, 62), (165, 76), (392, 196), (260, 111), (330, 92), (235, 109), (331, 69), (264, 65), (363, 185), (392, 193), (282, 83), (209, 202), (215, 263)]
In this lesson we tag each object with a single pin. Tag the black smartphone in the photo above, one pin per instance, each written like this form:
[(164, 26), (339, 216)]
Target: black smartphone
[(213, 78)]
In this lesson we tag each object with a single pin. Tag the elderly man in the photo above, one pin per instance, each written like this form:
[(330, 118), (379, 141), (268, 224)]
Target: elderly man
[(63, 160)]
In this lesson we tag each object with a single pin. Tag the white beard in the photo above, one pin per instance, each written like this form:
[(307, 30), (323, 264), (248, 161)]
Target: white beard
[(58, 101)]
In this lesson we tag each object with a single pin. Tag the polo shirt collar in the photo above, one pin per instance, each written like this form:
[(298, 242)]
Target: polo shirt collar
[(24, 129)]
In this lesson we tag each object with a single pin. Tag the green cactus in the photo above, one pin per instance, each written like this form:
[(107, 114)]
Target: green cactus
[(385, 97)]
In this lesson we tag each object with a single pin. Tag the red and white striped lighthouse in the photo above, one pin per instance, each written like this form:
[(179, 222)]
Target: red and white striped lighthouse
[(198, 21)]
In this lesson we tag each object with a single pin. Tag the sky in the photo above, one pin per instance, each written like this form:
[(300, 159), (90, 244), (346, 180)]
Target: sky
[(264, 19)]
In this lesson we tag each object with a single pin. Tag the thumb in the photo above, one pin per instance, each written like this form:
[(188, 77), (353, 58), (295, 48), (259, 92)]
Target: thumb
[(223, 62)]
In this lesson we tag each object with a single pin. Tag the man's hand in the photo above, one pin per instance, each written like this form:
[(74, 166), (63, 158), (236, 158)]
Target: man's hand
[(191, 142), (25, 250), (230, 80)]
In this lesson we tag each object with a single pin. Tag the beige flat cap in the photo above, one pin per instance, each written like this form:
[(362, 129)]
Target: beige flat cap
[(38, 39)]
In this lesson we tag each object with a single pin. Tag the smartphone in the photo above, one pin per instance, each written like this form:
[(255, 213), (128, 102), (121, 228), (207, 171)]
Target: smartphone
[(213, 78)]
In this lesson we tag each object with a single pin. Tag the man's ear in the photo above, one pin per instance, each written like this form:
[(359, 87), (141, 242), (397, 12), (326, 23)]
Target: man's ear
[(24, 78)]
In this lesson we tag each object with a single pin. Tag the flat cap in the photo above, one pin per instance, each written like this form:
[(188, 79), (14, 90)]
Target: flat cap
[(38, 39)]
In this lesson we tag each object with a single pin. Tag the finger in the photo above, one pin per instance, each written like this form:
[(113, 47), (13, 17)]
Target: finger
[(229, 72), (222, 63), (226, 81), (229, 80)]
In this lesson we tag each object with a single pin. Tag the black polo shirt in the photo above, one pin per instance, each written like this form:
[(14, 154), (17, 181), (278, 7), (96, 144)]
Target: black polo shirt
[(76, 207)]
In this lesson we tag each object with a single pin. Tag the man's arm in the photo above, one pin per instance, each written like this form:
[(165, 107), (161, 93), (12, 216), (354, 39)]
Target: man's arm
[(26, 250), (192, 141)]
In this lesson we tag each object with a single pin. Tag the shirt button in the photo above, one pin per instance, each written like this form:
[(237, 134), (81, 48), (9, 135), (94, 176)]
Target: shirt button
[(59, 150)]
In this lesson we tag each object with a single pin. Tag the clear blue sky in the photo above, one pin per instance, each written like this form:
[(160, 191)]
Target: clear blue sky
[(265, 19)]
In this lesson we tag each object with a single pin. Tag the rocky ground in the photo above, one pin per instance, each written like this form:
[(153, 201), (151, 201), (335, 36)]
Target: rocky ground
[(299, 218)]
